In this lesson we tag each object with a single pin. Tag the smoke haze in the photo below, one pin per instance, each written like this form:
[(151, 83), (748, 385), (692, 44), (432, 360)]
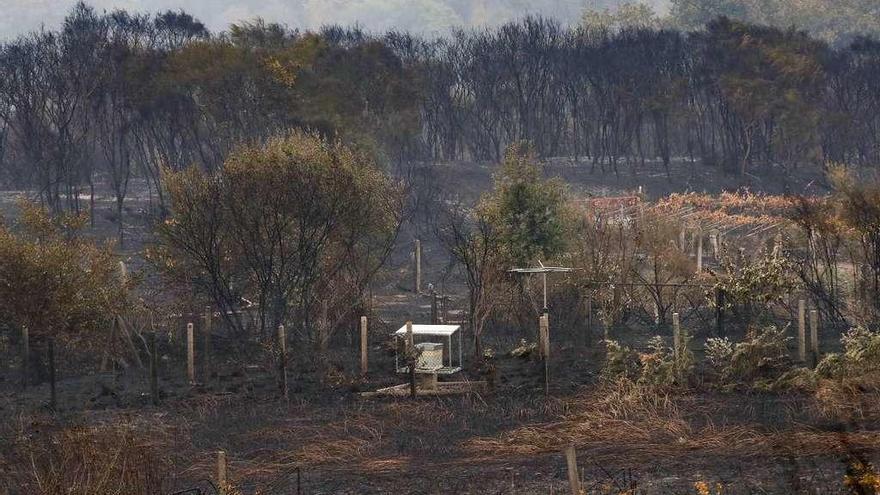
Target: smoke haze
[(422, 16)]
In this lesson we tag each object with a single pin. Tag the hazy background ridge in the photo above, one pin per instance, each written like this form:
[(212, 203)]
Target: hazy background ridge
[(422, 16)]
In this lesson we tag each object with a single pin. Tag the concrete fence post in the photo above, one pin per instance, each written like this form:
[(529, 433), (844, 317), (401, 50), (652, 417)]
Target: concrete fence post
[(190, 354), (364, 345)]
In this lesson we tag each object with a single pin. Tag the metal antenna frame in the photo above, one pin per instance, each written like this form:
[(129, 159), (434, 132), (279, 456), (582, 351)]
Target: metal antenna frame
[(543, 270)]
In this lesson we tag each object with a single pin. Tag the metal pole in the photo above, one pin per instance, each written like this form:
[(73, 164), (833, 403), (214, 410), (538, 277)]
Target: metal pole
[(410, 359), (544, 278)]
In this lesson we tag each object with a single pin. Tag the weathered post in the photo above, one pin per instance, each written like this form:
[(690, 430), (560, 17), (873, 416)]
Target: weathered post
[(814, 336), (676, 336), (571, 465), (434, 308), (154, 368), (544, 335), (418, 260), (681, 241), (282, 361), (544, 342), (206, 351), (802, 331), (190, 354), (222, 481), (364, 342), (25, 357), (700, 252)]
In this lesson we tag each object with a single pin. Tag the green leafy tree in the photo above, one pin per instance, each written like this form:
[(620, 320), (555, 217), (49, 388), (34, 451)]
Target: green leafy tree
[(300, 226), (751, 285), (57, 285), (529, 212)]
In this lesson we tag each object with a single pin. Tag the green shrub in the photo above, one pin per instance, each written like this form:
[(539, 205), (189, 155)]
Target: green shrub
[(861, 351), (832, 365), (657, 367), (719, 352), (763, 355), (620, 361), (757, 361), (861, 356)]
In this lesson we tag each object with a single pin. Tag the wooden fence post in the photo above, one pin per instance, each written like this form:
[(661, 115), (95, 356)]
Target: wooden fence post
[(571, 465), (544, 335), (802, 331), (814, 336), (222, 481), (206, 358), (364, 342), (418, 261), (154, 368), (282, 361), (544, 343), (190, 354)]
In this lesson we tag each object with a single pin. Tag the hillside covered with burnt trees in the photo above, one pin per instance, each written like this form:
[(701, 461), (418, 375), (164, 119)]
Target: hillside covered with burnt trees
[(111, 96)]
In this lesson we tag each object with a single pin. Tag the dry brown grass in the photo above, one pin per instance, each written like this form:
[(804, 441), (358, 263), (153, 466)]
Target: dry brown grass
[(122, 457), (619, 424), (624, 421)]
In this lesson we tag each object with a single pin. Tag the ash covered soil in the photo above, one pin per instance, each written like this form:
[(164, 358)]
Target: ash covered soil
[(327, 440)]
